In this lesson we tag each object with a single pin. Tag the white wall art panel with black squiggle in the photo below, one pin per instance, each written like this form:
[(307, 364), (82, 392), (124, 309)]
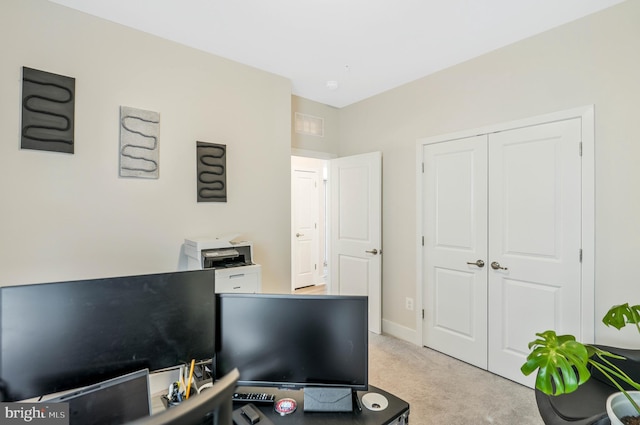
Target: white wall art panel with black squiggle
[(139, 143)]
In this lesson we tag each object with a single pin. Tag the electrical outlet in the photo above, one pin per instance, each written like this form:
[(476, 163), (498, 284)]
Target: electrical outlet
[(409, 303)]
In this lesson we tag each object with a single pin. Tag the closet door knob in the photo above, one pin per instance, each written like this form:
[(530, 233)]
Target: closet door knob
[(496, 266), (373, 251), (478, 263)]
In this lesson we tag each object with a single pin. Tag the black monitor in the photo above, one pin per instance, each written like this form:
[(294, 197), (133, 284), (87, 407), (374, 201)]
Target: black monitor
[(212, 406), (114, 401), (64, 335), (293, 341)]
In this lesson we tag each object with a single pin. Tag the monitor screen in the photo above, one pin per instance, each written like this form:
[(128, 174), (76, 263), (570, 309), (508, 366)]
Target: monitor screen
[(114, 401), (293, 340), (64, 335)]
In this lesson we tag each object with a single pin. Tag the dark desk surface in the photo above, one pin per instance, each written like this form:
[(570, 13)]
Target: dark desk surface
[(397, 408)]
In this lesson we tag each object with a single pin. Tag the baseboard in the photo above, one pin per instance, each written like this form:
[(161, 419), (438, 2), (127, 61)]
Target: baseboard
[(400, 332)]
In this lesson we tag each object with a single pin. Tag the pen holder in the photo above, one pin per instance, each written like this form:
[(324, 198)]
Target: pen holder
[(177, 395)]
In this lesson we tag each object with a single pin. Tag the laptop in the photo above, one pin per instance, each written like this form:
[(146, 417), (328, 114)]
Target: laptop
[(111, 402)]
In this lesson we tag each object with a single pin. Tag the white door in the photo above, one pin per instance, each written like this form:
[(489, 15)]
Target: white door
[(305, 227), (356, 230), (535, 235), (531, 233), (455, 248)]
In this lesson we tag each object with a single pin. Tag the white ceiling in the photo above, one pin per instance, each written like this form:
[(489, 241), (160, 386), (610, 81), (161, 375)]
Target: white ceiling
[(366, 46)]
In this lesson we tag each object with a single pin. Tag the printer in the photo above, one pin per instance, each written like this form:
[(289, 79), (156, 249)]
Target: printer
[(232, 261)]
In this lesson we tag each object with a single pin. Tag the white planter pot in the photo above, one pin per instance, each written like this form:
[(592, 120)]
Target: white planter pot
[(618, 406)]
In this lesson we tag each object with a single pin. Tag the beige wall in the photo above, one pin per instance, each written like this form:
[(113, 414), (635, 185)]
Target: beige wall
[(71, 217), (324, 147), (591, 61)]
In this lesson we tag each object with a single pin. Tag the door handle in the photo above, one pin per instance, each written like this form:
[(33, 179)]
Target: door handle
[(496, 266), (478, 263), (299, 234), (373, 251)]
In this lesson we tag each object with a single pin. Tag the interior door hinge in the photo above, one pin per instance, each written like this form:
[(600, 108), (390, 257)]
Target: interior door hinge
[(423, 313), (580, 148), (581, 255), (423, 241), (423, 168)]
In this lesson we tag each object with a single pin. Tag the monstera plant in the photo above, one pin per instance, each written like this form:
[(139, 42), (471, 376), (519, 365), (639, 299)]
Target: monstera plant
[(562, 362)]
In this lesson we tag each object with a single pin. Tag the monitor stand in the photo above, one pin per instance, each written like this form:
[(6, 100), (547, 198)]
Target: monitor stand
[(328, 399)]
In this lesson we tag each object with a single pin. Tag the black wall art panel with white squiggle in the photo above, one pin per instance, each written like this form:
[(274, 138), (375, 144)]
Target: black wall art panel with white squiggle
[(212, 172), (48, 102), (139, 143)]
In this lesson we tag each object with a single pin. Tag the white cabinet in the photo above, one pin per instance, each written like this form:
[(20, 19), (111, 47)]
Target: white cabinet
[(246, 279)]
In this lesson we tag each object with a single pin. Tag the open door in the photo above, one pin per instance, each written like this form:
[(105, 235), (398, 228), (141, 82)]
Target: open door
[(308, 222), (305, 228), (356, 230)]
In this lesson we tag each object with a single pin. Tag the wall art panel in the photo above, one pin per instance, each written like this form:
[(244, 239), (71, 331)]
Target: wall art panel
[(139, 143), (48, 102), (212, 172)]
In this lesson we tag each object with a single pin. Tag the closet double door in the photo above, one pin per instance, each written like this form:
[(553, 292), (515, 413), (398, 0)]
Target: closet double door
[(502, 250)]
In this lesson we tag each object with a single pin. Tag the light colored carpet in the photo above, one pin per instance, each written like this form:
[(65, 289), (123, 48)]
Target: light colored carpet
[(444, 391)]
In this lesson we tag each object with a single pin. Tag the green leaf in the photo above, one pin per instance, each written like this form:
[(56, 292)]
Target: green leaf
[(561, 363), (619, 315)]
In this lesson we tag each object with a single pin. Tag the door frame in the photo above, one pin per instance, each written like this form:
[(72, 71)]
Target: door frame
[(587, 116)]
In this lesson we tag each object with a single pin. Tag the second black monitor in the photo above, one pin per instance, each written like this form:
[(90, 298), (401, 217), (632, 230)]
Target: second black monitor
[(293, 340)]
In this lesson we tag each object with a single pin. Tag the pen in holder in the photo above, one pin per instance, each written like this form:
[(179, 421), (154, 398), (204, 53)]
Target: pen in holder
[(177, 394), (178, 391)]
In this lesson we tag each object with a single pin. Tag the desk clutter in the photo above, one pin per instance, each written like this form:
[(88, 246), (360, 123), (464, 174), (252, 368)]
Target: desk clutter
[(192, 380), (375, 401), (250, 415), (371, 406)]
